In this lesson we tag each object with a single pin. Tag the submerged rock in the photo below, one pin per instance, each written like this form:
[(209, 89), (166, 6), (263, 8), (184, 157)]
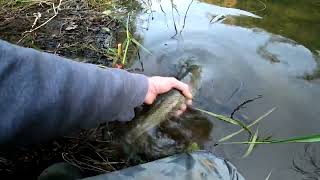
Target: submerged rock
[(61, 171)]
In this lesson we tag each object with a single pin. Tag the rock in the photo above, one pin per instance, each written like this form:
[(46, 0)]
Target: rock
[(60, 171)]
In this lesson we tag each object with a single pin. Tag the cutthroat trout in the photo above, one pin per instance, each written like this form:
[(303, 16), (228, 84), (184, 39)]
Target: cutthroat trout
[(143, 137)]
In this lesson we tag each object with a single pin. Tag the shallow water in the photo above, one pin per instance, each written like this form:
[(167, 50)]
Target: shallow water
[(266, 48)]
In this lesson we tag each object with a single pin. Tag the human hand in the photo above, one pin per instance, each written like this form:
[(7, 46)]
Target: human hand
[(159, 85)]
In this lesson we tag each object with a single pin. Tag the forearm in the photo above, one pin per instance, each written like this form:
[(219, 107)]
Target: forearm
[(43, 95)]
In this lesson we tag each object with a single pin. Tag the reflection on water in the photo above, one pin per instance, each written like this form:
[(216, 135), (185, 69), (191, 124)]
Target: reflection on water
[(298, 20), (244, 52), (308, 163), (226, 3)]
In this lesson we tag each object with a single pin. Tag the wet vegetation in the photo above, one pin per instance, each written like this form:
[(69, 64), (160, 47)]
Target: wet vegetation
[(255, 138)]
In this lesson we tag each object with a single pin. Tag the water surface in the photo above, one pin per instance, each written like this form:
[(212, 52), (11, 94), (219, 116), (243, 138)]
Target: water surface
[(245, 49)]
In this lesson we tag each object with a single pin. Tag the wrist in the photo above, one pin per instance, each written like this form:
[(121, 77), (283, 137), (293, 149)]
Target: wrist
[(151, 92)]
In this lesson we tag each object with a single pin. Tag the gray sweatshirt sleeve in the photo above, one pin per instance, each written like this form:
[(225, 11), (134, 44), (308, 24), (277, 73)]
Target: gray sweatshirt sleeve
[(44, 96)]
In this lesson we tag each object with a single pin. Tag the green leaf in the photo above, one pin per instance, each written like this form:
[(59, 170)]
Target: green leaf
[(227, 119), (113, 50), (140, 45), (303, 139), (128, 40), (124, 59), (252, 145), (250, 125), (127, 26)]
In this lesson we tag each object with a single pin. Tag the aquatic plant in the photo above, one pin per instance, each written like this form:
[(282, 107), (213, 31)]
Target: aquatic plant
[(227, 119), (300, 139), (254, 138), (129, 39), (249, 126)]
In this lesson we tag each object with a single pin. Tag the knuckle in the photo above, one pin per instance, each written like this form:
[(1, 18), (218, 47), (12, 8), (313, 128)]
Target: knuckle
[(173, 79)]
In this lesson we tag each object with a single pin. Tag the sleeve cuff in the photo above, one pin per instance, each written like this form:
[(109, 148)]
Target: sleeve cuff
[(136, 88)]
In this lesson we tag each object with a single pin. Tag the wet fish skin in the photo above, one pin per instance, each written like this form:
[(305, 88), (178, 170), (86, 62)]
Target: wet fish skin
[(142, 138)]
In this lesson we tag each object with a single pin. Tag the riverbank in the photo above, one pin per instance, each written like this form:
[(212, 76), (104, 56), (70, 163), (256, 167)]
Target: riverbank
[(86, 31)]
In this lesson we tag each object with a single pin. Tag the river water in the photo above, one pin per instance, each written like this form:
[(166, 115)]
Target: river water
[(246, 49)]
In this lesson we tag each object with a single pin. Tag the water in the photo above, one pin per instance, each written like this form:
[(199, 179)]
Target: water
[(268, 48)]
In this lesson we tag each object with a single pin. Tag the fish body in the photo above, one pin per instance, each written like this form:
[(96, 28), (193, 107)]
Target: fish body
[(143, 136)]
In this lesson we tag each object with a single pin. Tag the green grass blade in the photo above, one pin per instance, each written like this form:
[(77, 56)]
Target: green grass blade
[(124, 59), (113, 50), (250, 125), (226, 119), (140, 45), (303, 139), (127, 26), (129, 40), (269, 175), (251, 146)]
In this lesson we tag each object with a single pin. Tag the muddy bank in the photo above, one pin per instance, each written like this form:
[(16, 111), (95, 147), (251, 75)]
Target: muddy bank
[(82, 30), (94, 151), (74, 29)]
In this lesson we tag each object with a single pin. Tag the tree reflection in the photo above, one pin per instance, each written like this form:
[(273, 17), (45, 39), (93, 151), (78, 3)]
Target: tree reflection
[(226, 3), (296, 20)]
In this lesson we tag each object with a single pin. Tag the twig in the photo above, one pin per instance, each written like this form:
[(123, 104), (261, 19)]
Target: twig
[(91, 140), (173, 19), (65, 158), (242, 104), (162, 9), (185, 17), (56, 12), (37, 17), (105, 160), (235, 91), (81, 165)]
